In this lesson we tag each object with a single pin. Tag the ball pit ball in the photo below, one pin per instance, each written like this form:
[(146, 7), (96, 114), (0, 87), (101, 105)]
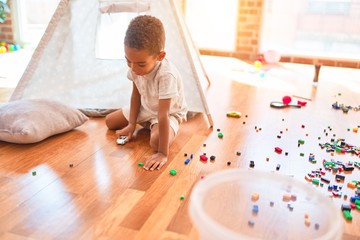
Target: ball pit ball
[(286, 100), (2, 49), (257, 64)]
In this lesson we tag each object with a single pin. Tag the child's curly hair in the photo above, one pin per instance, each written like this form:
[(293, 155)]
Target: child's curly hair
[(146, 33)]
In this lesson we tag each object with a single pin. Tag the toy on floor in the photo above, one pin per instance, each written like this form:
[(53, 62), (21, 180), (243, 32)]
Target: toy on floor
[(121, 140)]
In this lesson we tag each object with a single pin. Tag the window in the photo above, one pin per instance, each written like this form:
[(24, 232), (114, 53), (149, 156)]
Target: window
[(322, 28), (212, 23), (32, 19)]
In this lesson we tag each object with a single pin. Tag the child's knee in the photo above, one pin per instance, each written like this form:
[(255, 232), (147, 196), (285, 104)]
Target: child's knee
[(111, 122)]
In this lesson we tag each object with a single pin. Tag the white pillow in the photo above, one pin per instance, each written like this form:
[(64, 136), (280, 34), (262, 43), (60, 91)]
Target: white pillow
[(33, 120)]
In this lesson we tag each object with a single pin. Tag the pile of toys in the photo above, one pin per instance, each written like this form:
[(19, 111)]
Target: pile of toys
[(6, 47)]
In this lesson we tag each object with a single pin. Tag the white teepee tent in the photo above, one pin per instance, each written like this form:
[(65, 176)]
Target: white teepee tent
[(67, 65)]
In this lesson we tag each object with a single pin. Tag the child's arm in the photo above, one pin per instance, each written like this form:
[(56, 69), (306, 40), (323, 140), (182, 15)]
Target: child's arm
[(135, 102), (157, 160), (164, 126)]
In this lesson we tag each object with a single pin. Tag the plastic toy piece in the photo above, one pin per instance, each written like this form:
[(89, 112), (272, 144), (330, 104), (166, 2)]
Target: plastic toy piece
[(286, 197), (317, 226), (34, 173), (347, 215), (187, 161), (278, 150), (140, 164), (220, 135), (255, 209), (182, 197), (277, 167), (303, 104), (252, 164), (173, 172), (121, 140), (234, 114), (203, 158), (282, 105), (255, 197), (212, 158)]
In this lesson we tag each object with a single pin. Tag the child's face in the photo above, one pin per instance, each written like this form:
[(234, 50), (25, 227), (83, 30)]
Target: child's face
[(140, 62)]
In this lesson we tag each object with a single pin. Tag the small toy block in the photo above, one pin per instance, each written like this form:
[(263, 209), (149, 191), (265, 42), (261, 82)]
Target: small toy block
[(234, 114), (255, 209), (34, 173), (317, 226), (278, 150), (252, 164), (277, 167), (301, 141), (173, 172), (325, 180), (286, 197), (182, 197), (255, 197), (203, 158), (212, 158), (220, 135), (315, 181), (140, 164), (303, 104), (347, 215), (187, 161)]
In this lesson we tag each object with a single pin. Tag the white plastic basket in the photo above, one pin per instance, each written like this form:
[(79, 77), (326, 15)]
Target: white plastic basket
[(221, 208)]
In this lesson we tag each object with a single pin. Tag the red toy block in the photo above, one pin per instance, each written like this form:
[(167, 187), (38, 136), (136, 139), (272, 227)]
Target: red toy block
[(278, 150)]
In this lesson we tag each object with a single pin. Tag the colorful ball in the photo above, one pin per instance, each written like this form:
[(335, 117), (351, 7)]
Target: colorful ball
[(2, 49), (257, 64), (11, 48), (286, 100)]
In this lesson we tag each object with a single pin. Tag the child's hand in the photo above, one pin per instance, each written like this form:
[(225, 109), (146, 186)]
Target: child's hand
[(156, 161), (126, 131)]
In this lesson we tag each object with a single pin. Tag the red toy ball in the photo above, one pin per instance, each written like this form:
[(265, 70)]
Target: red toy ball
[(286, 100)]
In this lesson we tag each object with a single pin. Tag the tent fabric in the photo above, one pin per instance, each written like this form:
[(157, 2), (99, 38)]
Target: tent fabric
[(64, 66)]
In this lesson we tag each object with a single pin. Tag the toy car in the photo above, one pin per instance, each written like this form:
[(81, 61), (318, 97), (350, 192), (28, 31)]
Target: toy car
[(121, 140)]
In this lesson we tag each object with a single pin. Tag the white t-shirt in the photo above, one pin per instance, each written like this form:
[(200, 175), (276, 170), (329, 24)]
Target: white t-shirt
[(163, 82)]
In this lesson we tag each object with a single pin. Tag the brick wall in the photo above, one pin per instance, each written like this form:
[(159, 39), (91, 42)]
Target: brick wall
[(6, 30)]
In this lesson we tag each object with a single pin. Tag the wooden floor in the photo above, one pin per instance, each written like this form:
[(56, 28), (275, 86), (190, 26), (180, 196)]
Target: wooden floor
[(106, 195)]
